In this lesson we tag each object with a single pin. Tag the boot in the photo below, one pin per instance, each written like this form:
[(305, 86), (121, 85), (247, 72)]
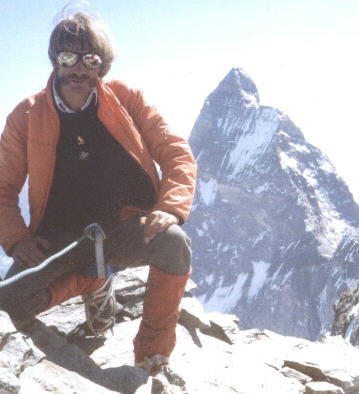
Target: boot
[(157, 332)]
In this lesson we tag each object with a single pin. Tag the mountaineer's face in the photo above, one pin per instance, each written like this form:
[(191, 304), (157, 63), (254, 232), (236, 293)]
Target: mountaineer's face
[(77, 69)]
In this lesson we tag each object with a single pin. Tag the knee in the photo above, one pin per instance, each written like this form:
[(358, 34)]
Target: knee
[(174, 251)]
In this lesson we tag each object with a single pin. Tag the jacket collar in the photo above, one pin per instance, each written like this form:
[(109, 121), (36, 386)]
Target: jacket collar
[(63, 107)]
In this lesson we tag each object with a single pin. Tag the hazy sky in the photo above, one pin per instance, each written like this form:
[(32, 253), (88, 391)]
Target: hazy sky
[(302, 55)]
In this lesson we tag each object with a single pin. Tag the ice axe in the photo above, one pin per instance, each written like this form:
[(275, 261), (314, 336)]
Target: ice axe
[(94, 232)]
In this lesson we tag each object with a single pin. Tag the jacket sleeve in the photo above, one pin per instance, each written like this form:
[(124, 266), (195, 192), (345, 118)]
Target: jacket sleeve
[(172, 153), (13, 171)]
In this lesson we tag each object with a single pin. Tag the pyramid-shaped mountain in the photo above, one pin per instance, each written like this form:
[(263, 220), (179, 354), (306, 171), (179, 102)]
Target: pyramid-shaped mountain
[(274, 228)]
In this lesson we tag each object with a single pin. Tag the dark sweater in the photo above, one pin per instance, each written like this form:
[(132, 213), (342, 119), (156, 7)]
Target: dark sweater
[(94, 176)]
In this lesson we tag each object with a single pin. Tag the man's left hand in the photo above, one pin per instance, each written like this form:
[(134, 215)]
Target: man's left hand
[(156, 222)]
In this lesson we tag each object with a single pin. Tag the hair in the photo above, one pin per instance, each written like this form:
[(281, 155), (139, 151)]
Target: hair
[(86, 31)]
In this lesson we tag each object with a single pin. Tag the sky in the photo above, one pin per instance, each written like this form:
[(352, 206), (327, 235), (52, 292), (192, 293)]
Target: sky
[(301, 54)]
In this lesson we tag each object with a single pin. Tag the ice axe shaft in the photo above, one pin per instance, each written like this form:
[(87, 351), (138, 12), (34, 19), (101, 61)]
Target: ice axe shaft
[(93, 232)]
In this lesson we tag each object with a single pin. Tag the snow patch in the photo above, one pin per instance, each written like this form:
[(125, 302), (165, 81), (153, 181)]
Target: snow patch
[(262, 188), (286, 277), (260, 237), (224, 298), (249, 99), (208, 191), (288, 162), (200, 232), (299, 147), (322, 219), (254, 139), (260, 273)]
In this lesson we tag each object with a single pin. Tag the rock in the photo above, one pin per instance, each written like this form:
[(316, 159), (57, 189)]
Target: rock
[(333, 361), (346, 319), (131, 295), (322, 388), (6, 326), (65, 317), (133, 309), (53, 358), (48, 377), (9, 383), (131, 278), (293, 373), (18, 352), (192, 314), (223, 327)]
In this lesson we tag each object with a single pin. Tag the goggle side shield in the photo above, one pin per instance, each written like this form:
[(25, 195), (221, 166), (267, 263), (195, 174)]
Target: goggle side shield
[(69, 59)]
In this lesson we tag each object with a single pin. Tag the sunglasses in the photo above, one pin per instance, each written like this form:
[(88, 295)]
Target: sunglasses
[(69, 59)]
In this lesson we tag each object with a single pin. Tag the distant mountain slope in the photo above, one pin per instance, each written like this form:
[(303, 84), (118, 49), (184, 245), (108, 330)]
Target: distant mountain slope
[(274, 228)]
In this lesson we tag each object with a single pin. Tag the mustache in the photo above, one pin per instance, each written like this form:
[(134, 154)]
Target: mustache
[(66, 79), (76, 76)]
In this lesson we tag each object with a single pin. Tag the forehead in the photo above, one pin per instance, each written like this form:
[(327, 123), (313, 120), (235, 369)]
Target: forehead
[(73, 43)]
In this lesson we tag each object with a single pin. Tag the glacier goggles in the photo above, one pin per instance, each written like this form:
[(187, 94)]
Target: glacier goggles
[(69, 59)]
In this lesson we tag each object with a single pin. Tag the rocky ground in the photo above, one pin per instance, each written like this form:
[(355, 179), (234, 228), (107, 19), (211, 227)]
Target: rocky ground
[(211, 356)]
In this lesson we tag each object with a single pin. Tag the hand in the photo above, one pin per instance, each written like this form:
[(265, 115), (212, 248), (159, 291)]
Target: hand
[(156, 222), (30, 251)]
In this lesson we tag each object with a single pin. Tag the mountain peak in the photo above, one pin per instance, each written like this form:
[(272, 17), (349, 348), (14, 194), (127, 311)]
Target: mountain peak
[(237, 82)]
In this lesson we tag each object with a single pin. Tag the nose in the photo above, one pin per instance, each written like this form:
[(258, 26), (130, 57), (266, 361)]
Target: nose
[(79, 66)]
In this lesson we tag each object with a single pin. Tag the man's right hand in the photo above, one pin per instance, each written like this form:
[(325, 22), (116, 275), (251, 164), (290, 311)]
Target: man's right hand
[(31, 251)]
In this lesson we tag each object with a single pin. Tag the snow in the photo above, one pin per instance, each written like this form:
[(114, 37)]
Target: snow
[(230, 123), (324, 296), (260, 269), (330, 229), (209, 279), (256, 135), (249, 99), (286, 277), (5, 263), (292, 245), (200, 232), (262, 188), (299, 147), (205, 226), (323, 220), (208, 191), (260, 237), (224, 298), (288, 162)]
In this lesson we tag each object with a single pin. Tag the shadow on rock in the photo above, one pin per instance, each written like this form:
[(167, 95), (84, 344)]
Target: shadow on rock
[(125, 379)]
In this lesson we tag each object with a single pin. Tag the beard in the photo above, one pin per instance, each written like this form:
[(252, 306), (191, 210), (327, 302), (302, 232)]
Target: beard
[(64, 80)]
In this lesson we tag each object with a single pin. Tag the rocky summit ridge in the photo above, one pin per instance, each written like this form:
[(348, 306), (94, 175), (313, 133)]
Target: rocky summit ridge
[(274, 228), (212, 355)]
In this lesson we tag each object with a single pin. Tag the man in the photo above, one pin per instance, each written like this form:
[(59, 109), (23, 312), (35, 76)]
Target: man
[(88, 149)]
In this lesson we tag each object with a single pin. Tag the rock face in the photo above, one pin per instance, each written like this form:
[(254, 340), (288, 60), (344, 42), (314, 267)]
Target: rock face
[(211, 356), (346, 320), (274, 228)]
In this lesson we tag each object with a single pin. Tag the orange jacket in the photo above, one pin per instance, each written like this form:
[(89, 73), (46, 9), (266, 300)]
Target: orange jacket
[(28, 148)]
